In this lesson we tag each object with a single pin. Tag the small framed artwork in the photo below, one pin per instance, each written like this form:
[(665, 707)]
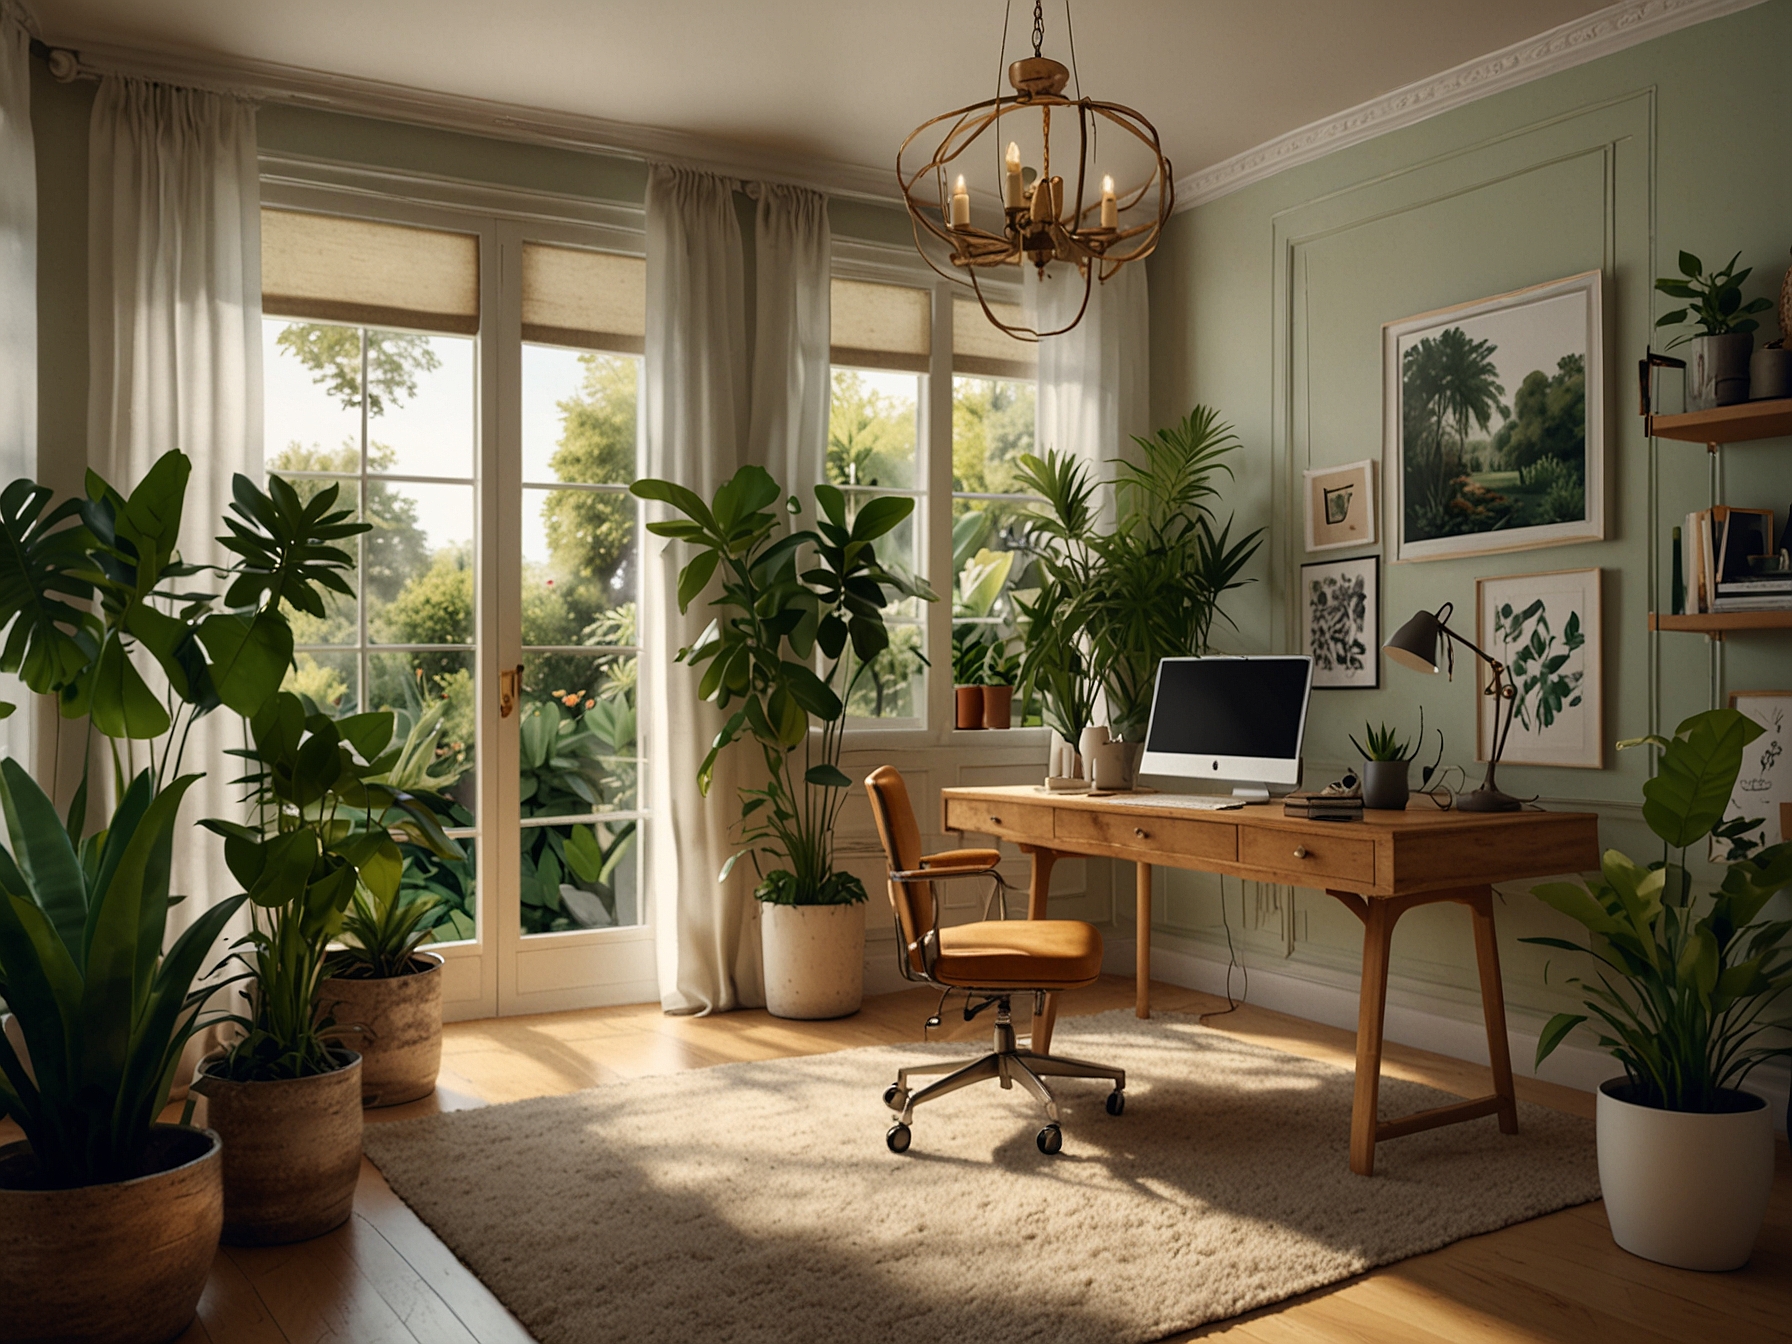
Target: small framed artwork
[(1546, 629), (1493, 423), (1340, 615), (1340, 503), (1764, 787)]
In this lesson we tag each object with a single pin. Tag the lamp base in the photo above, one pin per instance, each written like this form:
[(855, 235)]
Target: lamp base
[(1488, 800)]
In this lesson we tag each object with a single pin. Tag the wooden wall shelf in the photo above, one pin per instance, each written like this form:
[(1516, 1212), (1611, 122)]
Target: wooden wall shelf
[(1726, 424), (1717, 622)]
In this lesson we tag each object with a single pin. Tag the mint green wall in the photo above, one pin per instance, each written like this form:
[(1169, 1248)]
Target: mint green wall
[(1268, 304)]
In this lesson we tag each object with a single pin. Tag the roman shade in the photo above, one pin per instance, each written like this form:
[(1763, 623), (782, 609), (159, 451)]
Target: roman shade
[(881, 326), (326, 268), (984, 350), (594, 300)]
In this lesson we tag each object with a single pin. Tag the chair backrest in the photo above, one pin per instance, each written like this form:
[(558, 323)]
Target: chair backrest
[(895, 817)]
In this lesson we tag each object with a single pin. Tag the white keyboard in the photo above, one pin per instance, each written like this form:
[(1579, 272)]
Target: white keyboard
[(1194, 802)]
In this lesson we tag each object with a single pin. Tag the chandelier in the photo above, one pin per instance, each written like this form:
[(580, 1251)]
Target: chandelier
[(1046, 216)]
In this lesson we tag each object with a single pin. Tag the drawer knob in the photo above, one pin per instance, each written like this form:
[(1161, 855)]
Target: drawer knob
[(1140, 833), (995, 821), (1300, 851)]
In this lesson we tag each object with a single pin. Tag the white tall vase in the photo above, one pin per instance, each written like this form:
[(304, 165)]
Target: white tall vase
[(814, 959)]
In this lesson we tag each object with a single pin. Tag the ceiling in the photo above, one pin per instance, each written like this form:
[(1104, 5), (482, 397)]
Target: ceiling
[(841, 82)]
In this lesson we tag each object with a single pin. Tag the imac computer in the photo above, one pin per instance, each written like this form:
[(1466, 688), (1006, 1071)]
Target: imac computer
[(1236, 721)]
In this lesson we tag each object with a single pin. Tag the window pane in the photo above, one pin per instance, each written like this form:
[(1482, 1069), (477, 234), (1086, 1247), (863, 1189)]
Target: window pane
[(579, 549), (891, 687), (311, 395), (339, 624), (579, 415), (419, 567), (578, 734), (580, 876), (871, 428), (330, 679), (432, 694), (420, 404), (992, 425), (451, 881)]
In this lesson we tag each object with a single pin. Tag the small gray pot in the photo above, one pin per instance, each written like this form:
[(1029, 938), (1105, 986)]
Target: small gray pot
[(1717, 370), (1770, 374), (1384, 785)]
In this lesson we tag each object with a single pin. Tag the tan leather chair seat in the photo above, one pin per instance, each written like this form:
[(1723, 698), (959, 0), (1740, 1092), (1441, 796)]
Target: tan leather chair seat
[(1023, 953)]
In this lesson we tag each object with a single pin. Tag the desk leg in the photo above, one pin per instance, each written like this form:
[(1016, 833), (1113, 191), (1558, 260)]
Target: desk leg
[(1142, 991), (1493, 1008), (1038, 889), (1378, 932)]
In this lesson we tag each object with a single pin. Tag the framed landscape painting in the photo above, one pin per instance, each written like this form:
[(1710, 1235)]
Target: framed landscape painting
[(1493, 417), (1340, 621), (1340, 505), (1546, 629)]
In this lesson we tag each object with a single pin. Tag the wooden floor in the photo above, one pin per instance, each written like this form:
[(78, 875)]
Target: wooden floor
[(384, 1277)]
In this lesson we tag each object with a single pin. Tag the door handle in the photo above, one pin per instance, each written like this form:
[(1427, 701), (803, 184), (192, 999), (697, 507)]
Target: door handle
[(510, 689)]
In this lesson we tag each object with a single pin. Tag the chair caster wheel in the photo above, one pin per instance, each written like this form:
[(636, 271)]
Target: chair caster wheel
[(1116, 1102), (1050, 1140), (895, 1098), (897, 1138)]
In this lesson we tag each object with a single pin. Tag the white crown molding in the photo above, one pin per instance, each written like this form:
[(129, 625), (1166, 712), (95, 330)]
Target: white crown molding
[(1587, 39), (295, 86)]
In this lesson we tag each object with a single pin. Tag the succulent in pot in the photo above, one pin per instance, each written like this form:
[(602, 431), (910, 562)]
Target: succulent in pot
[(1680, 993), (1001, 668), (970, 654), (1387, 764)]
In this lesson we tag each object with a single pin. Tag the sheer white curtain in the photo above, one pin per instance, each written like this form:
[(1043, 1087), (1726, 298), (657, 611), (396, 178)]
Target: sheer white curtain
[(174, 313), (1094, 380), (793, 261), (18, 307), (697, 424)]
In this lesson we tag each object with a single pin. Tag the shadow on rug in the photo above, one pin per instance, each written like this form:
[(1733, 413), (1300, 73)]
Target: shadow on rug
[(757, 1201)]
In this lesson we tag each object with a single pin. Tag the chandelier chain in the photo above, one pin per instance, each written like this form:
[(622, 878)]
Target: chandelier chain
[(1038, 25)]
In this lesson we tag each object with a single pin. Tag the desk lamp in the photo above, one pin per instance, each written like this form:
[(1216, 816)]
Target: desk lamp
[(1415, 645)]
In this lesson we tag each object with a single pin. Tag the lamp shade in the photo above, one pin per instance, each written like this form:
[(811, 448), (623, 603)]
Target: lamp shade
[(1415, 643)]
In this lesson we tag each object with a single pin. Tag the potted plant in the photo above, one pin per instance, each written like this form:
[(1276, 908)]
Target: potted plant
[(286, 1095), (1679, 995), (1717, 372), (775, 625), (108, 1220), (969, 653), (1112, 603), (1387, 761), (1000, 668)]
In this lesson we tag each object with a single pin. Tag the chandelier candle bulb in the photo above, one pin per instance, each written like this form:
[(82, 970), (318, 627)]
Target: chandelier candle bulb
[(1011, 191), (1057, 210), (1110, 208), (961, 204)]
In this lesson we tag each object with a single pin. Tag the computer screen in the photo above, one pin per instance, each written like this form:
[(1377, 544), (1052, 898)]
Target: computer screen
[(1229, 719)]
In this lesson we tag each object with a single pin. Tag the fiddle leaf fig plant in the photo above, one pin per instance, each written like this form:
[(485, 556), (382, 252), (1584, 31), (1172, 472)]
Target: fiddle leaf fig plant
[(1683, 983), (800, 620)]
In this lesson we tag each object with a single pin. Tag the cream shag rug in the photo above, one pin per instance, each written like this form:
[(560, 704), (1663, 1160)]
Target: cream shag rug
[(758, 1202)]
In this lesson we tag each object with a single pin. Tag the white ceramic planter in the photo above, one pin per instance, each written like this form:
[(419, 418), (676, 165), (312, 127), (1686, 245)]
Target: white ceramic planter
[(814, 959), (1681, 1188)]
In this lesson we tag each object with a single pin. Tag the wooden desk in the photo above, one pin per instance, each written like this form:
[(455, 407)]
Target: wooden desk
[(1380, 868)]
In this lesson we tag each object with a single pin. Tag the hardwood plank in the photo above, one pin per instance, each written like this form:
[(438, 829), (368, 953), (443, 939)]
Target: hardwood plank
[(231, 1311)]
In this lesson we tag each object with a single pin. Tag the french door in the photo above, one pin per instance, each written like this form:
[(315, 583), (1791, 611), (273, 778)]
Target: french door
[(494, 607)]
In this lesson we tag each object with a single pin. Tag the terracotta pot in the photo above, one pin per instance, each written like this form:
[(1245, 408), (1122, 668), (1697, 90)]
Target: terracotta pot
[(1685, 1188), (292, 1152), (124, 1263), (998, 706), (814, 960), (401, 1040), (970, 706)]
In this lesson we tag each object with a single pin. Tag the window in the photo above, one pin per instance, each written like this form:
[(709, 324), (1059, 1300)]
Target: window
[(882, 346)]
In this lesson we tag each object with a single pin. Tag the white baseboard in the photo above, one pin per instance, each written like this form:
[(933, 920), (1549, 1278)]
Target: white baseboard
[(1413, 1018)]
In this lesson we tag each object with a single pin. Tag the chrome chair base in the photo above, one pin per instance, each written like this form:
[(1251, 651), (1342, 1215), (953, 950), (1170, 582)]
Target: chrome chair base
[(1009, 1063)]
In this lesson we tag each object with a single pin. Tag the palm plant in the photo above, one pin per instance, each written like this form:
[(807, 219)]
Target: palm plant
[(1112, 605), (777, 623), (1446, 381), (1682, 983)]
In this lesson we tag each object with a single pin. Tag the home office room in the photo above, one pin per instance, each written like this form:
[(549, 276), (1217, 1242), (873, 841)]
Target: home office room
[(1066, 671)]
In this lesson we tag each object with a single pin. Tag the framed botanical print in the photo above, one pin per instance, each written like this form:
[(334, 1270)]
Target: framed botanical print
[(1340, 505), (1546, 629), (1764, 784), (1340, 615), (1493, 423)]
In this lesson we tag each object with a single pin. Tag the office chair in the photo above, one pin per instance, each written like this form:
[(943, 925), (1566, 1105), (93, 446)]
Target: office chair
[(993, 958)]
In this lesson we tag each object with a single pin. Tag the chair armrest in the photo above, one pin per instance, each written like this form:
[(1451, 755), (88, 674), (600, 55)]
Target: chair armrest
[(978, 860)]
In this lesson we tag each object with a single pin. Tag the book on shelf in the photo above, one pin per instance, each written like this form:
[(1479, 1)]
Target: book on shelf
[(1771, 602), (1767, 583), (1717, 545)]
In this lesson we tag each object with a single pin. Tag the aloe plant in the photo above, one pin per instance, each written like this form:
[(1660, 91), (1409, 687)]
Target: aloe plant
[(1684, 982), (1382, 743), (104, 1013)]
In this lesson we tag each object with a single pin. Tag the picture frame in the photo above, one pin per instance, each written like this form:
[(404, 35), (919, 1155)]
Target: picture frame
[(1548, 630), (1764, 786), (1340, 505), (1340, 613), (1480, 432)]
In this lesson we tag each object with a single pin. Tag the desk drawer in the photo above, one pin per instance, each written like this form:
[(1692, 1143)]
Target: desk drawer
[(1170, 837), (1017, 821), (1327, 857)]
